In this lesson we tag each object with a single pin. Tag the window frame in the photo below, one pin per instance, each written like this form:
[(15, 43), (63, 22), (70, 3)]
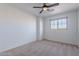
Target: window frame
[(58, 23)]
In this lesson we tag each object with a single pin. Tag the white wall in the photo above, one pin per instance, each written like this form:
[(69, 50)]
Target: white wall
[(78, 27), (39, 28), (16, 27), (66, 36)]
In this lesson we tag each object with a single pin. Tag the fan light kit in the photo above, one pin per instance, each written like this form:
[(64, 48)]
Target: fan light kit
[(46, 7)]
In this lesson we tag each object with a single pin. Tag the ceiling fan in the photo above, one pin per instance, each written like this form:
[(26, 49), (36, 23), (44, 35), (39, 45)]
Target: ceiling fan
[(46, 7)]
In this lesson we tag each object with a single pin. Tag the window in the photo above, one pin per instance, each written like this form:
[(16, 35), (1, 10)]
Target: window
[(62, 23), (59, 23), (54, 24)]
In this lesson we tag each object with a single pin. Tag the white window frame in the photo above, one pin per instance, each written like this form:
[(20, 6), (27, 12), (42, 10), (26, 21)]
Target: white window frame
[(58, 23)]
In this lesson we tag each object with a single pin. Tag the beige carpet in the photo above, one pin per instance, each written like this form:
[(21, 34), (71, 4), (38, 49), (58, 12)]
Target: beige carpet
[(43, 48)]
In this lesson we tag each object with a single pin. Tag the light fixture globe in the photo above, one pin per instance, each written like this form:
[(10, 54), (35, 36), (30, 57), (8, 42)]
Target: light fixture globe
[(45, 8)]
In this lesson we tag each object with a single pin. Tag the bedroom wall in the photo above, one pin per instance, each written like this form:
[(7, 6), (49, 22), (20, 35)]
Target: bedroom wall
[(39, 28), (78, 27), (66, 36), (16, 27)]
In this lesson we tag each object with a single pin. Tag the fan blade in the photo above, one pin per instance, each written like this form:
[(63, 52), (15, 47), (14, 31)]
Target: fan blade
[(44, 3), (37, 7), (41, 11), (55, 4), (50, 9)]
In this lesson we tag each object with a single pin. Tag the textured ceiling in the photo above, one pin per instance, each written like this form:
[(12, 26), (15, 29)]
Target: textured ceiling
[(28, 7)]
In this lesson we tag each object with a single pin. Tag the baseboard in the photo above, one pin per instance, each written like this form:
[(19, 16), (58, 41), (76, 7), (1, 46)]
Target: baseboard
[(62, 43)]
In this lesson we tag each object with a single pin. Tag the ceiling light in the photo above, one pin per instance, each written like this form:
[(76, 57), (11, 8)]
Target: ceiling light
[(45, 8)]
